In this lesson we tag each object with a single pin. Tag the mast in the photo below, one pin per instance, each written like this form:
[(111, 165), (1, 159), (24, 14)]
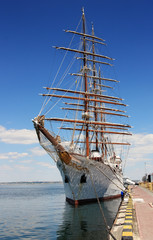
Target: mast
[(85, 82), (91, 100), (102, 129), (94, 74)]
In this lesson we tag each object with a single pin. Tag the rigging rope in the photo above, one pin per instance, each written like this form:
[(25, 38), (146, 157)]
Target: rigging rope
[(44, 104), (109, 178), (57, 101), (126, 159), (76, 113), (79, 136), (66, 71), (60, 82)]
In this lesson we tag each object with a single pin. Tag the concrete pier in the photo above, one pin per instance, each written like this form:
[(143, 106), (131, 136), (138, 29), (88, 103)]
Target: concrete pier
[(143, 205), (134, 220), (124, 227)]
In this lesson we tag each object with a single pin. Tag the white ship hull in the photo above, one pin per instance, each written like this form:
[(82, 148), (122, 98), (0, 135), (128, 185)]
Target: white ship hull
[(85, 179), (86, 184)]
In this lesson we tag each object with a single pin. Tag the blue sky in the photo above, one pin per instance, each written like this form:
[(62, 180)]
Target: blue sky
[(28, 30)]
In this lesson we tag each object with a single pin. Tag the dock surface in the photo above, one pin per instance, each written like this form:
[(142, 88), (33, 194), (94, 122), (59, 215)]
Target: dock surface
[(123, 227), (134, 220), (143, 204)]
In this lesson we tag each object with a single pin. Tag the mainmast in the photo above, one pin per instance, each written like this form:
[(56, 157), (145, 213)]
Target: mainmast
[(103, 146), (86, 83), (94, 84)]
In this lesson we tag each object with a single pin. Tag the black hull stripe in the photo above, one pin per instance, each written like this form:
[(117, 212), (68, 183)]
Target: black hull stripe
[(91, 200)]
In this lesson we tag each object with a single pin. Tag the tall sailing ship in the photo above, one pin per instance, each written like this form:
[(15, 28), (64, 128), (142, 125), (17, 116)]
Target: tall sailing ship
[(82, 134)]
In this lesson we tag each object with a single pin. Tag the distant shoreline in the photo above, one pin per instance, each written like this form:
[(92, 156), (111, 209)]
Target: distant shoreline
[(32, 182)]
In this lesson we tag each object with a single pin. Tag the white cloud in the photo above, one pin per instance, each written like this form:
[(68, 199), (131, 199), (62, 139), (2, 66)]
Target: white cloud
[(44, 164), (141, 153), (22, 167), (142, 138), (12, 155), (17, 136), (37, 151), (5, 168), (141, 148), (26, 161)]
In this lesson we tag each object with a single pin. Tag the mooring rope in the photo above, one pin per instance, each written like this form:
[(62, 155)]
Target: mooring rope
[(101, 209)]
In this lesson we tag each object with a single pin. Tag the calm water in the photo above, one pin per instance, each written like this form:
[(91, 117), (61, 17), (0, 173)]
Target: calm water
[(39, 211)]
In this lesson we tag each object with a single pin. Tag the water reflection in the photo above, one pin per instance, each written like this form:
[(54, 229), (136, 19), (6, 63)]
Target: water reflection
[(86, 222), (39, 211)]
